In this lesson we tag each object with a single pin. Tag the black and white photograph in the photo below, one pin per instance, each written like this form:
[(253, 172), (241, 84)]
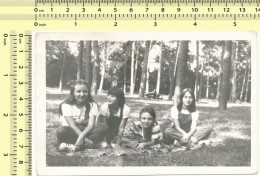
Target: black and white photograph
[(145, 99)]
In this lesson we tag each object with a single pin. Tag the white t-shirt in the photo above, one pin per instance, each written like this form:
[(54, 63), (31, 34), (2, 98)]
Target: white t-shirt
[(175, 113), (105, 111), (77, 114)]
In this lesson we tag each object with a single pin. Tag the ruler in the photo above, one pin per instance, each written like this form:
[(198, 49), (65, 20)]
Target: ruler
[(142, 14), (18, 18), (16, 109)]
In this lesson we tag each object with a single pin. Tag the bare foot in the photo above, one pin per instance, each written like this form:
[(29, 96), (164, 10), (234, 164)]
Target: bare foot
[(194, 140), (103, 144), (176, 143)]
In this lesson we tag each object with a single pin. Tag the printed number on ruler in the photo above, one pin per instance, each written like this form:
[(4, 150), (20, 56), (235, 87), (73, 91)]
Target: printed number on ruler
[(16, 52), (137, 14), (164, 10)]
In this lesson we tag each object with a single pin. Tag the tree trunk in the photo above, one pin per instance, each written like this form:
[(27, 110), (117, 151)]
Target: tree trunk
[(171, 79), (144, 70), (103, 67), (148, 71), (89, 67), (136, 66), (96, 68), (172, 75), (158, 83), (226, 76), (249, 77), (207, 87), (62, 67), (219, 87), (132, 69), (80, 58), (182, 61), (125, 66), (197, 88), (247, 87), (201, 81), (147, 78), (234, 75), (243, 88), (245, 82), (176, 66), (220, 74)]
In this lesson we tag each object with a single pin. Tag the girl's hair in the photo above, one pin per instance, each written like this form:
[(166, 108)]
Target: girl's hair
[(71, 100), (119, 94), (149, 110), (192, 106)]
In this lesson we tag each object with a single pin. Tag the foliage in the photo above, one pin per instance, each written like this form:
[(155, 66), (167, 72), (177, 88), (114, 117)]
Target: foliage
[(119, 56)]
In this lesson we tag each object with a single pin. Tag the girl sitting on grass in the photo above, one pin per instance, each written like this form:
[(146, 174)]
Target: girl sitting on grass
[(146, 131), (78, 115), (114, 113), (184, 117)]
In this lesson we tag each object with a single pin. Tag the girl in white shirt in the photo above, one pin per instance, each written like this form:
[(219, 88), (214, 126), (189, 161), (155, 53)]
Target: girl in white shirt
[(78, 115), (114, 113), (184, 117)]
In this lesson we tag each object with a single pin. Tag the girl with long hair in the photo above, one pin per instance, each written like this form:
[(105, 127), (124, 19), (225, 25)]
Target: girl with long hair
[(184, 117), (78, 116), (114, 113)]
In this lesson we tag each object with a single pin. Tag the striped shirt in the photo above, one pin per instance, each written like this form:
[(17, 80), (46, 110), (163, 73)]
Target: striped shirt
[(146, 134)]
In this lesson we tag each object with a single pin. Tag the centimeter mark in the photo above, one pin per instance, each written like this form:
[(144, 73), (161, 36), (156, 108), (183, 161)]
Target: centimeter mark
[(144, 1), (28, 71), (127, 16), (134, 16), (128, 2), (13, 102), (20, 129)]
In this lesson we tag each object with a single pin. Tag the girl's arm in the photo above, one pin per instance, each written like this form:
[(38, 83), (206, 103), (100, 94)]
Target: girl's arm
[(147, 144), (102, 117), (121, 130), (178, 128), (71, 122), (193, 128), (133, 142), (67, 115), (137, 137), (89, 128), (174, 118), (186, 137)]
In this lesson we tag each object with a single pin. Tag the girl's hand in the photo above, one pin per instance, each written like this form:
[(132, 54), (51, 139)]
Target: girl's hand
[(80, 141), (141, 146), (118, 140), (185, 138)]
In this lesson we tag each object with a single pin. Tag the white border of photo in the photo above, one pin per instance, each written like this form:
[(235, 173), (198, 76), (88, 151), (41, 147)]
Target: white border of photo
[(39, 102)]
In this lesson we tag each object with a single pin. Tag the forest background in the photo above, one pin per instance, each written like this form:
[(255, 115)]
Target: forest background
[(214, 69)]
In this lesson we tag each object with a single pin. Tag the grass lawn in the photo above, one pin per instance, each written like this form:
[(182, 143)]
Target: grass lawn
[(231, 136)]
